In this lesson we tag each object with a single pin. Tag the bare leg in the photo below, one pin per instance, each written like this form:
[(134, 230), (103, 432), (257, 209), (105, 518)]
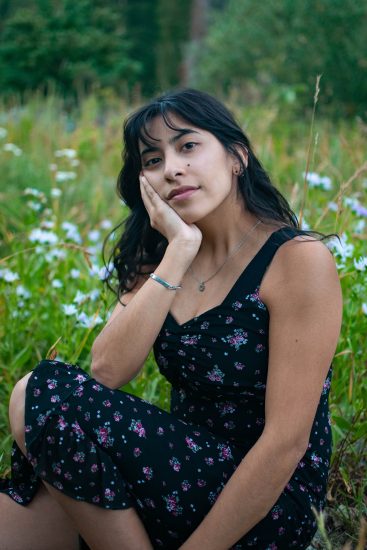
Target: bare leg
[(41, 525), (102, 529)]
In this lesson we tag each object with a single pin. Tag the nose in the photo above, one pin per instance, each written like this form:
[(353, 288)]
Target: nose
[(173, 167)]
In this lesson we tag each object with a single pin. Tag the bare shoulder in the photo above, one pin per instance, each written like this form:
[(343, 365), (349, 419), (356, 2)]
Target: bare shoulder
[(301, 266)]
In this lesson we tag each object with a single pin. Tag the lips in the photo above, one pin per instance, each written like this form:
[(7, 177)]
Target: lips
[(180, 190)]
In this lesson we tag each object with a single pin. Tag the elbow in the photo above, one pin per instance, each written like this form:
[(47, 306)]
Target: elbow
[(101, 374)]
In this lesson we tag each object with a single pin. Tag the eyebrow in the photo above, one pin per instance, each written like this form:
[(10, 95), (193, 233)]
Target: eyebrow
[(175, 138)]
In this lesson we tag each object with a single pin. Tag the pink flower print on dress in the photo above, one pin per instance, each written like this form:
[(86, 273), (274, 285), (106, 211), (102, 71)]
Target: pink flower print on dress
[(65, 407), (281, 531), (237, 339), (237, 305), (79, 457), (259, 348), (137, 452), (68, 476), (255, 298), (172, 504), (77, 429), (230, 425), (175, 463), (229, 320), (51, 384), (201, 483), (109, 494), (190, 340), (148, 472), (117, 416), (326, 386), (55, 399), (94, 468), (78, 392), (226, 408), (239, 366), (185, 485), (204, 325), (56, 468), (215, 375), (225, 452), (149, 502), (97, 387), (162, 361), (58, 485), (316, 460), (96, 499), (160, 430), (103, 436), (209, 460), (61, 423), (36, 392), (276, 512), (181, 352), (80, 378), (106, 403), (137, 427), (192, 445)]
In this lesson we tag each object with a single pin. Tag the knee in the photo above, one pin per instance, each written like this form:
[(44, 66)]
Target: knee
[(16, 407)]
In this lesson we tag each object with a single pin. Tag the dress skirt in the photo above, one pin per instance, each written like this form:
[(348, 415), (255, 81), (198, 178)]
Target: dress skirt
[(115, 450)]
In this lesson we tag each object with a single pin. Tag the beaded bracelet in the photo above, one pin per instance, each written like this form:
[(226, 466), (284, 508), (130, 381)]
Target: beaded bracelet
[(163, 282)]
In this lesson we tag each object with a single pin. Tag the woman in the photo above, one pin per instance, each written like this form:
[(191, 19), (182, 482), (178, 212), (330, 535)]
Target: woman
[(243, 310)]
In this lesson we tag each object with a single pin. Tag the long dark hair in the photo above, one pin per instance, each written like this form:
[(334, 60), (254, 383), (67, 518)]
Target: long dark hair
[(139, 243)]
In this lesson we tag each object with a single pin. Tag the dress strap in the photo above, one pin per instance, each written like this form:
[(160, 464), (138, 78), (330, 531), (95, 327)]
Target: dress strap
[(263, 258)]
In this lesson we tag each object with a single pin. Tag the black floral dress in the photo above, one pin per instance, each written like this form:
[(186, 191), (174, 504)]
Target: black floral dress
[(115, 450)]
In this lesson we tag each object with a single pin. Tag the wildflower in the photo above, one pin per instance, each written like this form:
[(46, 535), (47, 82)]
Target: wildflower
[(47, 224), (56, 283), (72, 232), (69, 153), (359, 226), (80, 297), (22, 292), (360, 210), (55, 254), (89, 322), (342, 249), (75, 273), (69, 309), (94, 235), (64, 176), (33, 192), (8, 275), (56, 192), (42, 236), (304, 225), (332, 206), (11, 148), (3, 133), (53, 167), (36, 206), (364, 308), (94, 294), (360, 264), (74, 162), (315, 180), (105, 224)]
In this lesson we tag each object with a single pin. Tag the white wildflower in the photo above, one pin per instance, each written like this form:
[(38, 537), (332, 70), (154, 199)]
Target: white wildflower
[(47, 224), (20, 304), (364, 308), (11, 148), (94, 294), (33, 192), (42, 236), (69, 153), (342, 249), (56, 192), (94, 235), (56, 254), (72, 232), (3, 133), (360, 264), (315, 180), (80, 297), (69, 309), (75, 273), (360, 226), (89, 321), (74, 162), (304, 225), (56, 283), (64, 176), (105, 224), (22, 292), (350, 201), (52, 167), (332, 206), (35, 206), (8, 275)]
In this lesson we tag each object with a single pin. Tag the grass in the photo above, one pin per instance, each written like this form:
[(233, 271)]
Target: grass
[(50, 269)]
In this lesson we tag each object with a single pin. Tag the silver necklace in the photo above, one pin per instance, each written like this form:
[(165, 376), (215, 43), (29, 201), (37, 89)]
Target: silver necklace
[(201, 286)]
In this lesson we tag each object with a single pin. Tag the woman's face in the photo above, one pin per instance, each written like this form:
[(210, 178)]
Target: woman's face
[(188, 157)]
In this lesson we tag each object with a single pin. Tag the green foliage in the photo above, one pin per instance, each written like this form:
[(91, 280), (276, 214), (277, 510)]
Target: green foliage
[(72, 46), (49, 291), (283, 45)]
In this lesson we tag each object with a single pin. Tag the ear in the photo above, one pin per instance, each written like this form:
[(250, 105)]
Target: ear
[(243, 153)]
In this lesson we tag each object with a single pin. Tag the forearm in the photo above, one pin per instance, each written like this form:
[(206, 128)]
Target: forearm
[(120, 350), (247, 497)]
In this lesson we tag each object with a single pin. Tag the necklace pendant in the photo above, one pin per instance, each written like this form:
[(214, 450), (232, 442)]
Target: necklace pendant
[(202, 286)]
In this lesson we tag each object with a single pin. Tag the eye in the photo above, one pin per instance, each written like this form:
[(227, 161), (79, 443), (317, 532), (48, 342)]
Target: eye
[(151, 162), (189, 145)]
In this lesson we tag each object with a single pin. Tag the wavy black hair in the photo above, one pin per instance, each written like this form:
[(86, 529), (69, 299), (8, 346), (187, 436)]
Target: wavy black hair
[(139, 243)]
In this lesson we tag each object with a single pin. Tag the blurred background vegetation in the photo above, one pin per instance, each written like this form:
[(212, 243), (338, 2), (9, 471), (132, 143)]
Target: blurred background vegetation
[(265, 50)]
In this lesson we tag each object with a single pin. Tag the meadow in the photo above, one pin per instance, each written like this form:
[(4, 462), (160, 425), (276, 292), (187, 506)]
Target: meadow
[(58, 204)]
